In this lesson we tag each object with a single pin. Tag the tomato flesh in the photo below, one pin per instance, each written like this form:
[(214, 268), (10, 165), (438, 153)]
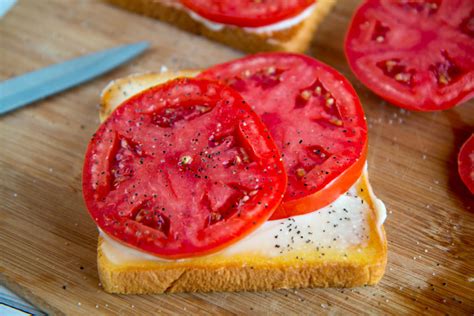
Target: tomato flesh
[(182, 169), (415, 54), (315, 118), (466, 163), (247, 13)]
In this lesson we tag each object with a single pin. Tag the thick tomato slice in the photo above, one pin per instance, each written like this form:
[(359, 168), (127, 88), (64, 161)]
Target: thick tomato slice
[(415, 54), (466, 163), (315, 118), (247, 13), (182, 169)]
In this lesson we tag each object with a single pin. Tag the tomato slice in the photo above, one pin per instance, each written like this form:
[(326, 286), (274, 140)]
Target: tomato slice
[(247, 13), (182, 169), (466, 163), (417, 55), (315, 118)]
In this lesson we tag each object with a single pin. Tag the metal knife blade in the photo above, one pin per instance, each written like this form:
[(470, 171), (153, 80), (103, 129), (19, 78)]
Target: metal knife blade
[(36, 85)]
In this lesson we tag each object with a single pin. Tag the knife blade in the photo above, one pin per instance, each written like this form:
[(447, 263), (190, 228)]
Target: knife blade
[(36, 85)]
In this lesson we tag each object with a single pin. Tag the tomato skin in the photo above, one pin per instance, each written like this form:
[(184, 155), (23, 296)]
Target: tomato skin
[(291, 92), (182, 169), (466, 163), (326, 195), (252, 13), (415, 55)]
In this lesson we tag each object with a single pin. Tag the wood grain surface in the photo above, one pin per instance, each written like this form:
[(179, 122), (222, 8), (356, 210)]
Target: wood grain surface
[(48, 241)]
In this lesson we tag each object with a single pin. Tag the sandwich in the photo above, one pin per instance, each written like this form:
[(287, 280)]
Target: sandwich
[(251, 26), (250, 175)]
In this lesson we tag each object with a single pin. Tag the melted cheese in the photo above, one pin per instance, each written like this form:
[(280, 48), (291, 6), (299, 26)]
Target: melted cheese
[(339, 227)]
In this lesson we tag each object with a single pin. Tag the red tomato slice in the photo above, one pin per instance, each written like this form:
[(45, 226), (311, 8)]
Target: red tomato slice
[(247, 13), (182, 169), (415, 54), (315, 118), (466, 163)]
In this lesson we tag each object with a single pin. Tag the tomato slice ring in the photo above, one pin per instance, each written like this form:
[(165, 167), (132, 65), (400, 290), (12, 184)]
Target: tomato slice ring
[(415, 54), (315, 118), (182, 169), (247, 13), (466, 163)]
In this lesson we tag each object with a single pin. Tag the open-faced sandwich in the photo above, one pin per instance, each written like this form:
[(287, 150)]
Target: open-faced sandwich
[(249, 25), (250, 175)]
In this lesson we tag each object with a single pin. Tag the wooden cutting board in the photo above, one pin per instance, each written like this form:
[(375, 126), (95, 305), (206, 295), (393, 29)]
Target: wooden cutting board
[(48, 241)]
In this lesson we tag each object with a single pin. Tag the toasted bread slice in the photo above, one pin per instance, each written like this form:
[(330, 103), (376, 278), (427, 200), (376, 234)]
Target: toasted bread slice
[(346, 247), (295, 38)]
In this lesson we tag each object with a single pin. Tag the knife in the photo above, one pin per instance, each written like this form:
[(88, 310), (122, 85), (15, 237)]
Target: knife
[(36, 85)]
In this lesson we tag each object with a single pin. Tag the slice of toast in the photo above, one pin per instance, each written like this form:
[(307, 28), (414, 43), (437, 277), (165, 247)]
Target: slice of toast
[(295, 38), (345, 247)]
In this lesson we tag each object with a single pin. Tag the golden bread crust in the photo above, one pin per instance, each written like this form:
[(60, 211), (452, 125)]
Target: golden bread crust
[(168, 277), (293, 39)]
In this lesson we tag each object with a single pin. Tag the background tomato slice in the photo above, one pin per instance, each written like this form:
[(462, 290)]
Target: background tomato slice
[(247, 13), (182, 169), (466, 163), (315, 118), (415, 54)]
